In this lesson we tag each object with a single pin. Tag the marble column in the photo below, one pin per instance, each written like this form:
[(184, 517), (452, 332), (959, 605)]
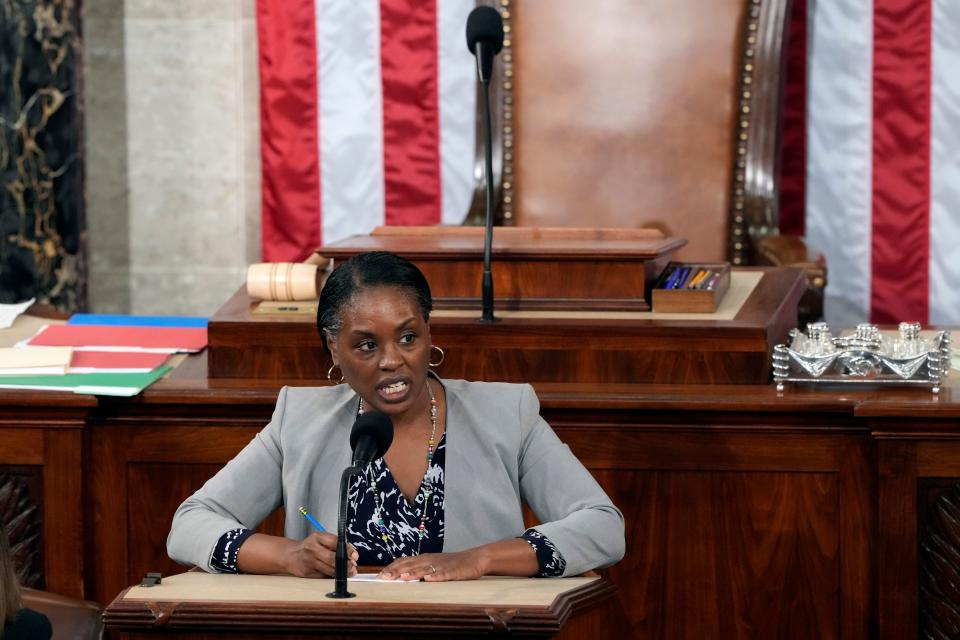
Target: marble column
[(173, 152), (42, 236)]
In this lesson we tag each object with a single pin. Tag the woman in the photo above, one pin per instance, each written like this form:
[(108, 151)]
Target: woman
[(17, 622), (444, 503)]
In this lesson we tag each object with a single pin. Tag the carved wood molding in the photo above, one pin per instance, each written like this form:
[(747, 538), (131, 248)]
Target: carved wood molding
[(20, 514), (940, 568), (756, 153)]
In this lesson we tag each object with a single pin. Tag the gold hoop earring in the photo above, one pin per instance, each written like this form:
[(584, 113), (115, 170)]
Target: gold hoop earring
[(442, 356), (330, 374)]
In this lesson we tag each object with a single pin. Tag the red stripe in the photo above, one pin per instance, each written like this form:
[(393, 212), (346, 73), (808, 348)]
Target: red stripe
[(793, 155), (900, 246), (411, 112), (288, 129)]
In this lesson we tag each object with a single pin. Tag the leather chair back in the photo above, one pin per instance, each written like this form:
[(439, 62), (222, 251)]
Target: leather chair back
[(70, 618), (655, 113)]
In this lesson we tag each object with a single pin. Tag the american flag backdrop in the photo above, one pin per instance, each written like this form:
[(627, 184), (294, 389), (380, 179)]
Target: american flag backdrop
[(367, 111), (367, 118)]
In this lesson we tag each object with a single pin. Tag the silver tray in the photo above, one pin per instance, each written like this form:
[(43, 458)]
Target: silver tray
[(866, 356)]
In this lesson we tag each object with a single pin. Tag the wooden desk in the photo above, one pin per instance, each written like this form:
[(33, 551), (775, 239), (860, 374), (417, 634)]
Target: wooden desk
[(200, 605), (749, 513), (807, 514), (572, 346)]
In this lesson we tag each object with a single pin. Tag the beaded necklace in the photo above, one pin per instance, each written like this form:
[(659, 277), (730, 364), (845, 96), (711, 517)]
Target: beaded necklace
[(424, 492)]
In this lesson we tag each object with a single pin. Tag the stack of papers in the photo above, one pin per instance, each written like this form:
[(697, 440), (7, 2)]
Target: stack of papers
[(101, 354), (38, 361)]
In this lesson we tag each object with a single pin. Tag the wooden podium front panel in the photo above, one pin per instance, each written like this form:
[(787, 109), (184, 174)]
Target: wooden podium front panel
[(532, 268), (614, 350)]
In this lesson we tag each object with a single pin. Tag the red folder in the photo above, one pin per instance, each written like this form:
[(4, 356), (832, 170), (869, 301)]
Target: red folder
[(161, 339), (117, 360)]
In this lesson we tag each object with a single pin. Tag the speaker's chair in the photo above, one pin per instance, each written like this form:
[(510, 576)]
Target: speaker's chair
[(665, 114), (70, 618)]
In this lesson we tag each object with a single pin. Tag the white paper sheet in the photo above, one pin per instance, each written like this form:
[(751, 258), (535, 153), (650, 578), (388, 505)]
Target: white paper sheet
[(9, 312), (372, 577)]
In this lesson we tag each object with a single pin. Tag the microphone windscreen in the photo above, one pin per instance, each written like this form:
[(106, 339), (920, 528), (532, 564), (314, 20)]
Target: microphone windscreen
[(373, 427), (484, 24)]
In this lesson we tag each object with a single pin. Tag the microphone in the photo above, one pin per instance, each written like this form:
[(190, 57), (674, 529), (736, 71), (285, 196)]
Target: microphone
[(485, 40), (370, 437)]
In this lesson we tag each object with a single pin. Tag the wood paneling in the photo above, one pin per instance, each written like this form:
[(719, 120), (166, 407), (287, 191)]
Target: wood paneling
[(856, 466), (897, 552), (22, 446), (163, 487), (745, 515), (21, 504), (48, 439), (148, 470), (940, 559), (154, 491), (691, 448), (938, 459), (715, 554), (749, 513), (63, 517)]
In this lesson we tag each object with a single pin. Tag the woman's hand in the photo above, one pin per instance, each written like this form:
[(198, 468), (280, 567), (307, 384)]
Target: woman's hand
[(315, 557), (438, 567), (514, 557)]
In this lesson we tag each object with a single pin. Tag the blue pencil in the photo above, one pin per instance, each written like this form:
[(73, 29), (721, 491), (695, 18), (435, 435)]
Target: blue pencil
[(672, 278), (311, 519), (684, 273)]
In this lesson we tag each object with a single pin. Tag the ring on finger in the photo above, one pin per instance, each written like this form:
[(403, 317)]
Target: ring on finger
[(433, 569)]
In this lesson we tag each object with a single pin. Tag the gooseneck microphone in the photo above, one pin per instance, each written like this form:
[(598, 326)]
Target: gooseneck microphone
[(370, 438), (485, 40)]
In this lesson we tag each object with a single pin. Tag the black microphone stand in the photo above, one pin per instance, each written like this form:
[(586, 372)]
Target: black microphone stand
[(340, 568), (487, 280)]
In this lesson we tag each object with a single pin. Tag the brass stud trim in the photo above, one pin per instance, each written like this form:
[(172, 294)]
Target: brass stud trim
[(506, 56), (737, 244)]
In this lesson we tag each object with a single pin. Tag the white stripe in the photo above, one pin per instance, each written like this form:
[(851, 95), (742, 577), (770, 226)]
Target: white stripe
[(945, 166), (457, 94), (350, 117), (839, 160)]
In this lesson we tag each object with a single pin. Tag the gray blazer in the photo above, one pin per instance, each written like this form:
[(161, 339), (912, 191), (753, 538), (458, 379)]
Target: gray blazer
[(499, 453)]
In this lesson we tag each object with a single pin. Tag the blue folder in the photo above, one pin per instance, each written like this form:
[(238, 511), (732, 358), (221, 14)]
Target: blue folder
[(101, 319)]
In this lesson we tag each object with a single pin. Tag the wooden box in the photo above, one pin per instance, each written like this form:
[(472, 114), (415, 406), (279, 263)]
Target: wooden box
[(684, 299)]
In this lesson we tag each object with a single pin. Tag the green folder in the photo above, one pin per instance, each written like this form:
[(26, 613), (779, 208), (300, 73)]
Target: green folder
[(99, 384)]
